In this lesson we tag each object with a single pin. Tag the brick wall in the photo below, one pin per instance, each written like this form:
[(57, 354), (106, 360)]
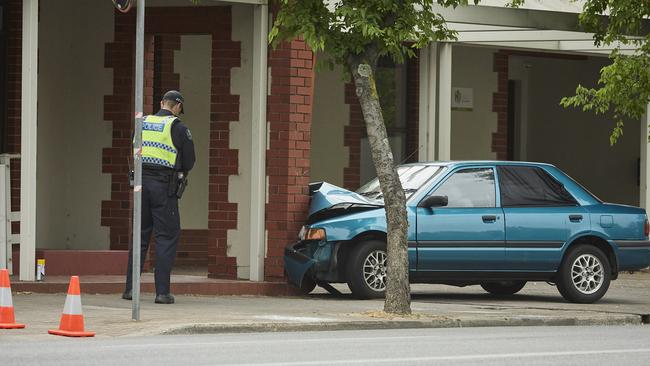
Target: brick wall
[(224, 161), (164, 77), (500, 106), (353, 133), (288, 158), (118, 110), (14, 85)]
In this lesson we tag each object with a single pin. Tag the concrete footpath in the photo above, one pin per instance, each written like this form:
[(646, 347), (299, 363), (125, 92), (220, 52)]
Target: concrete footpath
[(627, 302)]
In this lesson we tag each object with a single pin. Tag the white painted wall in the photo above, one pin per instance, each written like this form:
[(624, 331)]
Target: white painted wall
[(330, 116), (193, 63), (71, 127), (240, 131), (471, 131), (575, 141)]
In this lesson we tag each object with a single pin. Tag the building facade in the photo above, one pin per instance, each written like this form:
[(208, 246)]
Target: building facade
[(265, 123)]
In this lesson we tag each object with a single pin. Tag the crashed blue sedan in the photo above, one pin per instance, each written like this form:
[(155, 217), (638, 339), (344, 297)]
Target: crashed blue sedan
[(493, 224)]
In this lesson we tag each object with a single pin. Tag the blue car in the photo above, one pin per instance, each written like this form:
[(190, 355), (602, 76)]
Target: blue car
[(494, 224)]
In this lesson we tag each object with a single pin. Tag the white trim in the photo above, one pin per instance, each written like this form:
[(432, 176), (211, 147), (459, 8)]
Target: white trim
[(588, 45), (258, 143), (5, 224), (444, 101), (29, 102), (423, 102), (550, 46), (644, 193), (524, 36), (509, 17), (432, 115)]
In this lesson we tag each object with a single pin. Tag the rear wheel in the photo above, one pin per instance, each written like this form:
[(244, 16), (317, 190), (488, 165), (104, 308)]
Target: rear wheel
[(366, 270), (584, 275), (503, 288)]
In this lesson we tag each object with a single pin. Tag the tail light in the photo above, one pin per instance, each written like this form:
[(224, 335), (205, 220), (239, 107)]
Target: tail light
[(646, 229)]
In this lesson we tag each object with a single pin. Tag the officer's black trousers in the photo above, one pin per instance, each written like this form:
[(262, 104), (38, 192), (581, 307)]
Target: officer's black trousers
[(160, 216)]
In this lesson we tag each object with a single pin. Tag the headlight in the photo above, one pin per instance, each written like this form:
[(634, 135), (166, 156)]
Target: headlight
[(312, 234)]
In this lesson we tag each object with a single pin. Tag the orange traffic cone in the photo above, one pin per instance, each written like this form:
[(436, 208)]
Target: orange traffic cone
[(72, 319), (7, 320)]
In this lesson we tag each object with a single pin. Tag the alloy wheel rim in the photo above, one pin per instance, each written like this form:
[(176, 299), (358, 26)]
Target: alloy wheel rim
[(587, 274), (374, 270)]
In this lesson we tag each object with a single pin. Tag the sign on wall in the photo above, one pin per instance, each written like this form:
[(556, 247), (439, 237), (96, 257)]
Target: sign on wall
[(462, 99)]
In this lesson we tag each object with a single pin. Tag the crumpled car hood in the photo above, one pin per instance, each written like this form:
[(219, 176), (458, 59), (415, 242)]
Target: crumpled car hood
[(328, 200)]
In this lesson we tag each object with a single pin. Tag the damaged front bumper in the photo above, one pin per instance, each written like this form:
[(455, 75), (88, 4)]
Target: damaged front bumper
[(316, 259)]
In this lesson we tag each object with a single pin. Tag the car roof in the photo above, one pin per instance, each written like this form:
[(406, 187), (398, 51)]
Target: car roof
[(456, 163)]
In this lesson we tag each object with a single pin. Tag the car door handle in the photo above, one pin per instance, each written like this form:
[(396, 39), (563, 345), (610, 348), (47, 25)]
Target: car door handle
[(489, 218), (575, 218)]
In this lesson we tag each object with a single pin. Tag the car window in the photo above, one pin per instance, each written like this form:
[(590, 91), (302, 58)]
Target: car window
[(469, 188), (526, 186)]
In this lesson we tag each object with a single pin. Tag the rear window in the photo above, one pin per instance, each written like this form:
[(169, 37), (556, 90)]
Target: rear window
[(524, 186)]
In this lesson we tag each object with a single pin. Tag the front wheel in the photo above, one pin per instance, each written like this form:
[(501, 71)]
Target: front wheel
[(307, 285), (503, 288), (585, 275), (366, 270)]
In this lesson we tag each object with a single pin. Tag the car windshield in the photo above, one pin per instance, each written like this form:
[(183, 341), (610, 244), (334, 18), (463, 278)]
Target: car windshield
[(412, 177)]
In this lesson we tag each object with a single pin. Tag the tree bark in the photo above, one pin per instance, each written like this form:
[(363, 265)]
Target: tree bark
[(398, 294)]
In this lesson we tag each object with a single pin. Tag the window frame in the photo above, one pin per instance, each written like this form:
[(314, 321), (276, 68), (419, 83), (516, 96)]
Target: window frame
[(497, 195), (549, 175)]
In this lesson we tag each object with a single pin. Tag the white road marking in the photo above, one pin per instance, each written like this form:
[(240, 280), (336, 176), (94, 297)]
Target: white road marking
[(446, 358)]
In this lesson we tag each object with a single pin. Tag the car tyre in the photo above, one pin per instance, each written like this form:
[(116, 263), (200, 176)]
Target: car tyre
[(307, 285), (585, 274), (366, 270), (503, 288)]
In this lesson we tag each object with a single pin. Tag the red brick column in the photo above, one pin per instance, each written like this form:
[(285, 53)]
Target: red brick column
[(224, 161), (14, 85), (164, 77), (353, 133), (288, 157), (118, 109), (500, 106)]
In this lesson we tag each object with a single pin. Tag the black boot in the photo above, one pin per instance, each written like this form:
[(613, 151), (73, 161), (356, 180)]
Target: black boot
[(126, 295), (164, 299)]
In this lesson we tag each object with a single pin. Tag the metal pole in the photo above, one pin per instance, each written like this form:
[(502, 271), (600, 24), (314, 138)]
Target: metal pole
[(137, 158)]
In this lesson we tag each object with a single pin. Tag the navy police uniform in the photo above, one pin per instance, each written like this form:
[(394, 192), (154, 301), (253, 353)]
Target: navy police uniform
[(159, 200)]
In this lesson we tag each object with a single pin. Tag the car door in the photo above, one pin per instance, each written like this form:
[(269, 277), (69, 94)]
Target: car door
[(468, 233), (540, 217)]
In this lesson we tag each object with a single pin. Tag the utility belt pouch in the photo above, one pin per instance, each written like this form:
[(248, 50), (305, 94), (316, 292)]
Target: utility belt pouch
[(131, 178), (181, 184)]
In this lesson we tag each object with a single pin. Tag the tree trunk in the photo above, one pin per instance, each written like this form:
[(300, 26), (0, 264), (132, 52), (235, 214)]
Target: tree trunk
[(398, 294)]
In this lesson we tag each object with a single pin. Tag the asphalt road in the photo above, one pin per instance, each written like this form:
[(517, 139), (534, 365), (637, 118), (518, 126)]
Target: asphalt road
[(593, 346)]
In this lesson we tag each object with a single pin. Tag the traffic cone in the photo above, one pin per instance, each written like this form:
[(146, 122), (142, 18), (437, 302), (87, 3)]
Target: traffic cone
[(72, 319), (7, 319)]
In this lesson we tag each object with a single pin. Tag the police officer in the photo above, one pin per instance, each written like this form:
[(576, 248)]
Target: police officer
[(167, 152)]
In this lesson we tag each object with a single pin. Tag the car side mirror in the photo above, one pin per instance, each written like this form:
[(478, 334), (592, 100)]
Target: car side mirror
[(434, 201)]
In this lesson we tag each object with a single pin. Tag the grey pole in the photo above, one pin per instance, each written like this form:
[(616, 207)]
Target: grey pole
[(137, 158)]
